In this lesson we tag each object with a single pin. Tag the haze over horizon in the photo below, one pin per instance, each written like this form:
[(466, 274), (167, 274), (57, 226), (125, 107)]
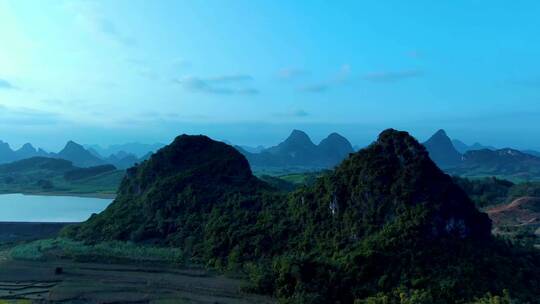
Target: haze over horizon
[(103, 72)]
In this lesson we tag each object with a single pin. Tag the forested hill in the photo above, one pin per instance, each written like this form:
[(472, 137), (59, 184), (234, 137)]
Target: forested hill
[(386, 226)]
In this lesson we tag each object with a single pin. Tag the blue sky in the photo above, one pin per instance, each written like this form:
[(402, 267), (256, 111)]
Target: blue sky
[(249, 71)]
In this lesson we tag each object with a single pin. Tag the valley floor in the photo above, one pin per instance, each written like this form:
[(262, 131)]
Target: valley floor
[(39, 279), (115, 283)]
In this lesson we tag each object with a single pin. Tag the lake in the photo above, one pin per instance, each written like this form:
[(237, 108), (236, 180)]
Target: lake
[(40, 208)]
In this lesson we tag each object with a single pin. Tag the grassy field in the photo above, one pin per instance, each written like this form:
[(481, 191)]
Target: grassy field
[(116, 251), (61, 270)]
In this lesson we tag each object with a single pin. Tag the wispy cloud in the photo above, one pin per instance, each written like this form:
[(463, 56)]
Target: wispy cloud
[(6, 85), (392, 76), (222, 85), (292, 114), (338, 78), (91, 17), (291, 73), (230, 78), (315, 88)]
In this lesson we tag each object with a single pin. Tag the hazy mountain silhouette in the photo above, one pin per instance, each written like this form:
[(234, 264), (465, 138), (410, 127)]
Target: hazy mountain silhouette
[(532, 152), (137, 149), (6, 154), (442, 151), (79, 156), (462, 147), (508, 163), (122, 160), (299, 151), (257, 149)]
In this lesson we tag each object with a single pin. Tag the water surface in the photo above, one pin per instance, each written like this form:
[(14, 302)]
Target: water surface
[(40, 208)]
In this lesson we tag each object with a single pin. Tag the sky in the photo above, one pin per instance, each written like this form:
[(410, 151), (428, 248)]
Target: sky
[(250, 71)]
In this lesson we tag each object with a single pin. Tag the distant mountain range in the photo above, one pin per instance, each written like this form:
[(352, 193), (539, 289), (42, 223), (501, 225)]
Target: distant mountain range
[(27, 150), (299, 152), (81, 156), (137, 149), (463, 147), (479, 160)]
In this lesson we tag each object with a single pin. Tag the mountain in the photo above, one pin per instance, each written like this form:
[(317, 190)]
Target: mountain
[(6, 154), (479, 146), (138, 149), (79, 156), (122, 160), (334, 149), (385, 226), (146, 156), (462, 147), (442, 151), (298, 151), (532, 152), (508, 163), (26, 151), (183, 181), (250, 149), (297, 145)]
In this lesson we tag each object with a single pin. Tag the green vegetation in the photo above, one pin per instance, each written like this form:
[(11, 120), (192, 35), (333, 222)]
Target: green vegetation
[(485, 191), (386, 226), (56, 176), (491, 191), (508, 164), (110, 252), (290, 182)]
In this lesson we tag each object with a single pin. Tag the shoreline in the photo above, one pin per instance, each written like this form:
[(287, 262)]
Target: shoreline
[(72, 194)]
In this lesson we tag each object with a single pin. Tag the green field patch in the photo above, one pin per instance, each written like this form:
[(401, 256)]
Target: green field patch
[(106, 252)]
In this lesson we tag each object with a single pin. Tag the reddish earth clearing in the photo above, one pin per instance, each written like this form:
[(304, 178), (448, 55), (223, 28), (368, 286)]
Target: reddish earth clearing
[(524, 211)]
